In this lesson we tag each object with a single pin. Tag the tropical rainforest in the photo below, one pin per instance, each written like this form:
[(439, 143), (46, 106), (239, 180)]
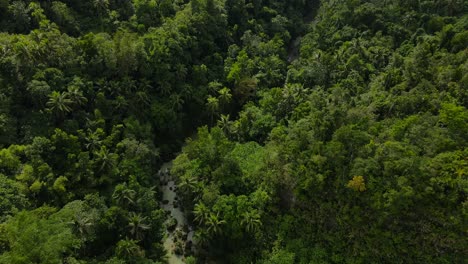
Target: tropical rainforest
[(309, 132)]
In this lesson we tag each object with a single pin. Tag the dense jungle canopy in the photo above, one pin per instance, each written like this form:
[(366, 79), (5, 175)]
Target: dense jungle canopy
[(308, 132)]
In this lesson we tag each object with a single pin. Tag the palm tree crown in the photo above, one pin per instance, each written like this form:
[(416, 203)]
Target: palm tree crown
[(137, 225), (59, 103)]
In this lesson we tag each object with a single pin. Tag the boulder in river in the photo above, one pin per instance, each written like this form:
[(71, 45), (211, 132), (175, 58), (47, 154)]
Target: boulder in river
[(171, 224), (179, 248), (188, 247)]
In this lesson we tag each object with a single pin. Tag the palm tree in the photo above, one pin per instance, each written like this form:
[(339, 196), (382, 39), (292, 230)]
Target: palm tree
[(225, 124), (181, 71), (39, 90), (213, 105), (251, 221), (124, 195), (198, 191), (105, 159), (20, 13), (101, 6), (293, 95), (188, 185), (76, 96), (142, 98), (176, 102), (149, 193), (201, 237), (294, 92), (224, 96), (214, 86), (214, 224), (93, 141), (129, 85), (82, 224), (187, 92), (201, 212), (192, 189), (121, 104), (102, 9), (113, 88), (128, 249), (452, 6), (165, 88), (137, 225), (59, 103)]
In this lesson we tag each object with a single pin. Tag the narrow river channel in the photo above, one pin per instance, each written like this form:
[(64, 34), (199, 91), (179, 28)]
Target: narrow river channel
[(170, 204)]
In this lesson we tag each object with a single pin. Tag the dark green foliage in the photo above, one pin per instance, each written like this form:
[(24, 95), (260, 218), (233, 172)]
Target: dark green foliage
[(331, 131), (354, 165)]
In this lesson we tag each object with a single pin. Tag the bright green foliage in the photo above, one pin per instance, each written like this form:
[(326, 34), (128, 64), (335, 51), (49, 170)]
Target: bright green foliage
[(129, 250), (12, 198), (280, 257), (38, 236), (357, 184)]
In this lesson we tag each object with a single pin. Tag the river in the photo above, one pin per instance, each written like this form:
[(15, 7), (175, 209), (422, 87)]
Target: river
[(170, 199)]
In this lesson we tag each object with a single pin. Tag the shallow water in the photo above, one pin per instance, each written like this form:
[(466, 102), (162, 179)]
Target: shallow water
[(170, 195)]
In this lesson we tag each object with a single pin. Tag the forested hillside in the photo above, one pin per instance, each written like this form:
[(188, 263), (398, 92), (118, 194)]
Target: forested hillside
[(331, 131)]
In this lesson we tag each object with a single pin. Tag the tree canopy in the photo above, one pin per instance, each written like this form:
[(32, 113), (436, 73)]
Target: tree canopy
[(321, 131)]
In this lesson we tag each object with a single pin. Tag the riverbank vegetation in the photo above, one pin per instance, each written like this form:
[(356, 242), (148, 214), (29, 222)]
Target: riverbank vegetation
[(328, 132)]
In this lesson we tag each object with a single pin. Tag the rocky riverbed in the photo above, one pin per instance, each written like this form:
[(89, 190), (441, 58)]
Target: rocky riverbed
[(178, 236)]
